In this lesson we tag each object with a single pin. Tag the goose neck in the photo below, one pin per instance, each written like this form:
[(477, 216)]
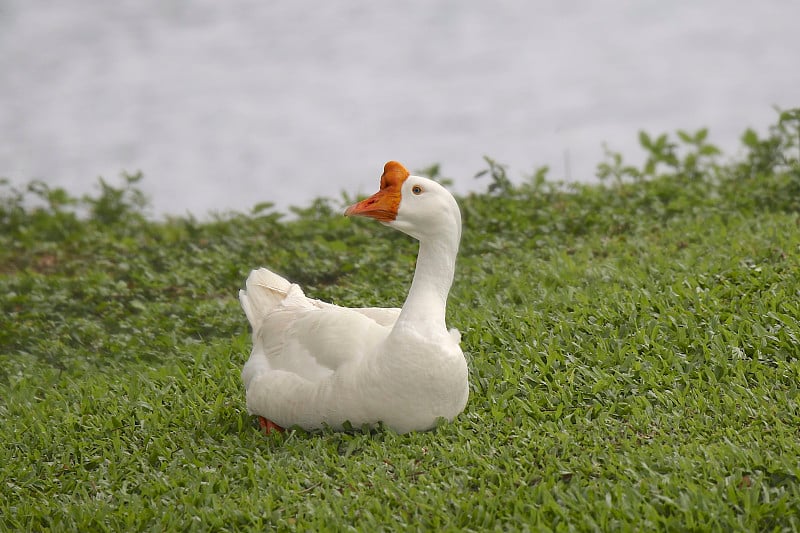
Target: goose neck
[(425, 306)]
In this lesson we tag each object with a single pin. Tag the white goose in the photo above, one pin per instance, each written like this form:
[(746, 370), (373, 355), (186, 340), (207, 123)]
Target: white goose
[(316, 364)]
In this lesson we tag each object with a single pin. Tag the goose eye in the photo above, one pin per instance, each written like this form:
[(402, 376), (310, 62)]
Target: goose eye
[(416, 189)]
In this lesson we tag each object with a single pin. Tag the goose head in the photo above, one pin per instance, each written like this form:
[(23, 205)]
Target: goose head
[(417, 206)]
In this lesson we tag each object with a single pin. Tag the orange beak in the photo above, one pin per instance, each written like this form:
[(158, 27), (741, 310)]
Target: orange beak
[(381, 206)]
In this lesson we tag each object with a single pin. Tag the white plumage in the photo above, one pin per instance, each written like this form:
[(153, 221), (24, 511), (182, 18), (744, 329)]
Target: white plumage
[(315, 364)]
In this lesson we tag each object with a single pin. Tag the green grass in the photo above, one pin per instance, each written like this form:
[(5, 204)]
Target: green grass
[(633, 351)]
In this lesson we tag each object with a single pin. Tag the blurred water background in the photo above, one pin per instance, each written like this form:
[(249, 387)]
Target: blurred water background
[(226, 104)]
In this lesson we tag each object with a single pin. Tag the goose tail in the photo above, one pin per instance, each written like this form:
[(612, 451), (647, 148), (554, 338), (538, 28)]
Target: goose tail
[(264, 290)]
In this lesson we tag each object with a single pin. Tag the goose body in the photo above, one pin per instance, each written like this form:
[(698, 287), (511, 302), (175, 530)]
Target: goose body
[(315, 364)]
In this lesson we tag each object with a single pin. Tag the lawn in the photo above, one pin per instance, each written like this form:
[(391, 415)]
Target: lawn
[(632, 344)]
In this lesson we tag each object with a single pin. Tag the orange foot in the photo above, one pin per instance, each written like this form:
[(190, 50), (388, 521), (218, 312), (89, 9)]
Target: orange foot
[(268, 426)]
